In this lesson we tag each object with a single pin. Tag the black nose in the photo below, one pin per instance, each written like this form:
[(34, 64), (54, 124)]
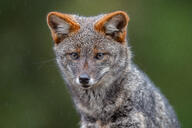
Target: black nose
[(84, 78)]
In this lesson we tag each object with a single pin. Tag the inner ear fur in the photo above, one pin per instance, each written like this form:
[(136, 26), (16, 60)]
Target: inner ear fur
[(61, 25), (114, 25)]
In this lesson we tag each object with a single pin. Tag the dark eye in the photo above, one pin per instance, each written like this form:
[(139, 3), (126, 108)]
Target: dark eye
[(99, 56), (74, 56)]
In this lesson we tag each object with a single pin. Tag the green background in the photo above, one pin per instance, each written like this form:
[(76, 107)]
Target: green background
[(32, 91)]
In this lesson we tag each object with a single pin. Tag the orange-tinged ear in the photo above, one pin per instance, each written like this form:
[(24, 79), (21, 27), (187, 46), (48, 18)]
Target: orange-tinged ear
[(114, 25), (61, 25)]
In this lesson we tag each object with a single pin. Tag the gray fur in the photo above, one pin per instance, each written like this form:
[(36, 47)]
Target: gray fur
[(122, 96)]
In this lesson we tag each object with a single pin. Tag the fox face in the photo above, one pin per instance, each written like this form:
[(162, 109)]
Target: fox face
[(88, 49)]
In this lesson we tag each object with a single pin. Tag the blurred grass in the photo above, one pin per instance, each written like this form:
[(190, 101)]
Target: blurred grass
[(32, 92)]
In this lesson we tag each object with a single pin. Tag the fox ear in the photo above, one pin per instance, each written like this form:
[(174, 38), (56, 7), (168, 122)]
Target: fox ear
[(114, 25), (61, 25)]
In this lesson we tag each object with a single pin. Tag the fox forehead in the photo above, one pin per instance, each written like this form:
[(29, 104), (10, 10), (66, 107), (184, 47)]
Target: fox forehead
[(87, 22), (78, 43), (87, 38), (87, 34)]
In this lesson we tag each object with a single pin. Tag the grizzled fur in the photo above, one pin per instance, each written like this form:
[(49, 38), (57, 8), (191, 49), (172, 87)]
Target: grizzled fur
[(121, 95)]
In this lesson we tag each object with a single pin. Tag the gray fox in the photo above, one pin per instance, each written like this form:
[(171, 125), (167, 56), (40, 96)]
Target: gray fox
[(107, 88)]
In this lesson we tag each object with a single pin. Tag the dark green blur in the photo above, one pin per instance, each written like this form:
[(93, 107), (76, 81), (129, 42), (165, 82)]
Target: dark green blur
[(32, 91)]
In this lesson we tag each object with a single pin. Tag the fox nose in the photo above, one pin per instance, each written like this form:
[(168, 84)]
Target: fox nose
[(84, 78)]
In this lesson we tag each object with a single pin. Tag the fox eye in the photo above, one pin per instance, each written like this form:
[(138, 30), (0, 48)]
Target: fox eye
[(99, 56), (74, 56)]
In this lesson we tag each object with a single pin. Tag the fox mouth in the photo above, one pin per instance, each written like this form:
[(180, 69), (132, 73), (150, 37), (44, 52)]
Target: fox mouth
[(94, 83), (89, 85), (86, 86), (87, 82)]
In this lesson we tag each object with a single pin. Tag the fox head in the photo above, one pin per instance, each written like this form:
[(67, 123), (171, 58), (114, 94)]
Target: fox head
[(90, 51)]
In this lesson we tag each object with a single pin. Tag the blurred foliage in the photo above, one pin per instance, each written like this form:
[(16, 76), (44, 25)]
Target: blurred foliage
[(32, 92)]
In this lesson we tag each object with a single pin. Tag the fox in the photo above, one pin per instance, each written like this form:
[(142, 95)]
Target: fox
[(107, 88)]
